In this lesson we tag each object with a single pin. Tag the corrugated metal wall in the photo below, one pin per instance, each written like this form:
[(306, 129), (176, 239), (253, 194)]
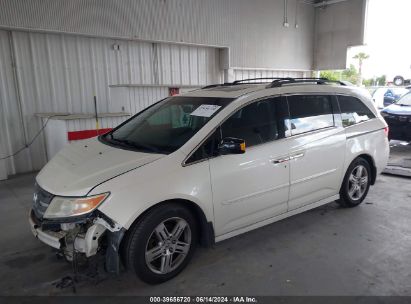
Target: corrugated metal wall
[(11, 131), (61, 73), (90, 124), (253, 30), (141, 98), (250, 73), (133, 99)]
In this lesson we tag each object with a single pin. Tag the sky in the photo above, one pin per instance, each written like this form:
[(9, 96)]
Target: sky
[(387, 39)]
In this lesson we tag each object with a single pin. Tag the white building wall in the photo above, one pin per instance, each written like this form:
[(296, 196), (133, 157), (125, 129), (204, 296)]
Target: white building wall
[(11, 130), (261, 73), (253, 30), (61, 73), (67, 51)]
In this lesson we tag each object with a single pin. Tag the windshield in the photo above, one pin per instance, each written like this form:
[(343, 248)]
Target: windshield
[(399, 91), (167, 125), (405, 100)]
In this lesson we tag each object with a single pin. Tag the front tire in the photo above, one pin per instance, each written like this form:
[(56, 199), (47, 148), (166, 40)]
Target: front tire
[(160, 245), (356, 184)]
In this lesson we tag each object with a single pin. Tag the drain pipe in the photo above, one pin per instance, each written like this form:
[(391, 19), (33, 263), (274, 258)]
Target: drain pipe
[(296, 14), (286, 24)]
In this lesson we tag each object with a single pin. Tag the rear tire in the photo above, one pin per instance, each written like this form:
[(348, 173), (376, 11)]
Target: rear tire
[(357, 181), (160, 245), (398, 80)]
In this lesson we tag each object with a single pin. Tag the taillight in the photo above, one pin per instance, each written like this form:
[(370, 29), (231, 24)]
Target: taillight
[(386, 130)]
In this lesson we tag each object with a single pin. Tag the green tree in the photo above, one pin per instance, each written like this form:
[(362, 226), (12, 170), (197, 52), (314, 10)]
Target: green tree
[(350, 74), (376, 81), (368, 82), (382, 80), (360, 57), (331, 75)]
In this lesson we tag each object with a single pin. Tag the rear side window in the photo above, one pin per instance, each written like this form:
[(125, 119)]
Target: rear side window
[(310, 112), (353, 110)]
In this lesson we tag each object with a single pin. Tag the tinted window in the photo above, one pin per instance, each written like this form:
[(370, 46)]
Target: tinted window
[(353, 110), (257, 123), (309, 113), (207, 149)]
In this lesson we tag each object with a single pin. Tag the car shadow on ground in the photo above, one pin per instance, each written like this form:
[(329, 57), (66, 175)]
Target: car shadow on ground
[(91, 277)]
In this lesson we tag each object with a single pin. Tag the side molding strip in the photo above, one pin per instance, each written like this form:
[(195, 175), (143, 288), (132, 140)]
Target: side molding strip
[(364, 133)]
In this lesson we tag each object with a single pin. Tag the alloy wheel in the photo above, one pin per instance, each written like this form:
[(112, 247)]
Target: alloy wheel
[(168, 245), (358, 182)]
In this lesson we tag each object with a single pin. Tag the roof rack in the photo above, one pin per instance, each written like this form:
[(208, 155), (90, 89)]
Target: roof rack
[(225, 84), (253, 79), (280, 82), (277, 81)]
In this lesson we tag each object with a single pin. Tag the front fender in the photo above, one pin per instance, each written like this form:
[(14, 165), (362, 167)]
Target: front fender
[(166, 179)]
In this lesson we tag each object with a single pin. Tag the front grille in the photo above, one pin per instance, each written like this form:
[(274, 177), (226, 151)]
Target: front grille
[(35, 219), (41, 200)]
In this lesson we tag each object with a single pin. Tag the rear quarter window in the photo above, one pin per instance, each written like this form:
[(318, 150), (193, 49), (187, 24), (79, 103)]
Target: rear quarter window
[(353, 110), (310, 112)]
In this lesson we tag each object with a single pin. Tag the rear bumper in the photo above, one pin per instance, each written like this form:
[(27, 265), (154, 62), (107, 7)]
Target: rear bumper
[(50, 238), (400, 132), (400, 126)]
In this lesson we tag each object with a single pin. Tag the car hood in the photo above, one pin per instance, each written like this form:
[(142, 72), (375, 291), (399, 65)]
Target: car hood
[(79, 167), (397, 109)]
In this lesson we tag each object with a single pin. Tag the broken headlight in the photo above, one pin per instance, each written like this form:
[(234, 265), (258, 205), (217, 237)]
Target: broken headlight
[(73, 206)]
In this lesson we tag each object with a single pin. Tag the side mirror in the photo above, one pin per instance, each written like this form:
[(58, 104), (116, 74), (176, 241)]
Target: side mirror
[(231, 145)]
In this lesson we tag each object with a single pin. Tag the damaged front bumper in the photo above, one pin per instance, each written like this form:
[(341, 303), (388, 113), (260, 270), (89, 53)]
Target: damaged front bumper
[(50, 238), (86, 235)]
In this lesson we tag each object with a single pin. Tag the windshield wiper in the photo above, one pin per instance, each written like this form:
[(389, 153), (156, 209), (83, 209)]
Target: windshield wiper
[(132, 144), (141, 146), (115, 140)]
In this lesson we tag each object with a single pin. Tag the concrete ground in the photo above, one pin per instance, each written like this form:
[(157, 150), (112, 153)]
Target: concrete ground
[(326, 251)]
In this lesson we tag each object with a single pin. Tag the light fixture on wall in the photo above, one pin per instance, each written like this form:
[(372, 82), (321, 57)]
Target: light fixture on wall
[(116, 47), (286, 24)]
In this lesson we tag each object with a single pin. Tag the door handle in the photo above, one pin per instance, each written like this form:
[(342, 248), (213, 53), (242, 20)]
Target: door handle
[(280, 160), (298, 155)]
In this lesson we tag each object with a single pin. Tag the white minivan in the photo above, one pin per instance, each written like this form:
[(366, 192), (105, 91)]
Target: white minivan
[(206, 166)]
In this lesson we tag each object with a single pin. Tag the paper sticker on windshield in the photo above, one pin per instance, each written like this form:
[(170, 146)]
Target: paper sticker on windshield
[(205, 110)]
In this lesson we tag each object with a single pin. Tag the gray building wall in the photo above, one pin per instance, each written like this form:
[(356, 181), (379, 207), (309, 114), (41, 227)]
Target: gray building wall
[(338, 27), (57, 73), (253, 30)]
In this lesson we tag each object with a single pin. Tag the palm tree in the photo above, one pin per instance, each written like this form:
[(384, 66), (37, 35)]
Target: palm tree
[(360, 57)]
